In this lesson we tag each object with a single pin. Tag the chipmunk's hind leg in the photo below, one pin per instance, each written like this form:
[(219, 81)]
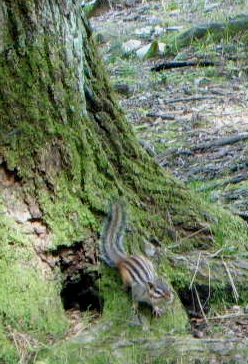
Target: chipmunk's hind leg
[(125, 275)]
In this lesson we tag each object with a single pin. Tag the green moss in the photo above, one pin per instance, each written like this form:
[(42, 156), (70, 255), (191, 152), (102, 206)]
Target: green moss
[(29, 302), (229, 230), (74, 353), (224, 296), (8, 350), (74, 221)]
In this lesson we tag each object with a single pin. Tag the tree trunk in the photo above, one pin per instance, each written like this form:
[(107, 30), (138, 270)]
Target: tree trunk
[(66, 149)]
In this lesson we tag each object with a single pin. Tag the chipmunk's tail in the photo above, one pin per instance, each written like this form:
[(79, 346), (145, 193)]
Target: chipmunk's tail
[(113, 233)]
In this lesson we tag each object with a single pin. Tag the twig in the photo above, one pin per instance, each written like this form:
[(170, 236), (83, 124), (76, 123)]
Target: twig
[(216, 253), (209, 285), (196, 270), (235, 315), (201, 308), (235, 292), (187, 237)]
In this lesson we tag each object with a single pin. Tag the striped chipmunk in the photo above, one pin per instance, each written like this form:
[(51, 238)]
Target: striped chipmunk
[(137, 272)]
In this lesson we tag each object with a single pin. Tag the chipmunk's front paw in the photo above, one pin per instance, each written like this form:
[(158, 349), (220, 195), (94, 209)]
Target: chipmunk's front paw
[(158, 311)]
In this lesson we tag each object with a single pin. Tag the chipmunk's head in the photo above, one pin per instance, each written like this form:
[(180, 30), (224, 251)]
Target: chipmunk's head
[(159, 291)]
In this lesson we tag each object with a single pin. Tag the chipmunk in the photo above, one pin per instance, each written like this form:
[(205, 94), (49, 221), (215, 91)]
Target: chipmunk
[(137, 272)]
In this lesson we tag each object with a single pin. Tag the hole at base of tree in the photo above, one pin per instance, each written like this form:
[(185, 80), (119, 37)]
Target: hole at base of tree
[(80, 292), (79, 266)]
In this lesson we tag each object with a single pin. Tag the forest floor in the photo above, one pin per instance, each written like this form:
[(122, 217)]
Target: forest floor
[(193, 120)]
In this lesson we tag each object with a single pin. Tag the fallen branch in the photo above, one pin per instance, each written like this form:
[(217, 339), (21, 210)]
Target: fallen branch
[(199, 31), (158, 115), (192, 98), (236, 179), (178, 64), (221, 142)]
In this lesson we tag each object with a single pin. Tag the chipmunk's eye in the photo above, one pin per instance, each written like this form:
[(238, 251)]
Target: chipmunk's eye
[(158, 292)]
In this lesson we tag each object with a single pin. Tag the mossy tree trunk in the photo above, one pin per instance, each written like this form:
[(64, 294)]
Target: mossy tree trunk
[(63, 135), (65, 150)]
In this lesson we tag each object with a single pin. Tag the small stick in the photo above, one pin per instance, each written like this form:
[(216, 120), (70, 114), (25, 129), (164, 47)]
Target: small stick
[(196, 270), (193, 98), (235, 292), (216, 253), (199, 302), (188, 236), (209, 285), (235, 315)]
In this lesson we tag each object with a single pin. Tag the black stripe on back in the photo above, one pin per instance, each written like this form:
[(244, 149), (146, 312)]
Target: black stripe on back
[(134, 271), (144, 266)]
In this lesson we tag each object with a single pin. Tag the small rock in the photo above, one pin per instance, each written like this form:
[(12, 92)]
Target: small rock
[(131, 45), (161, 48), (149, 50)]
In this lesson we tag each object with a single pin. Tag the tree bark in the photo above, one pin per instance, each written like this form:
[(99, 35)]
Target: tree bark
[(66, 149)]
